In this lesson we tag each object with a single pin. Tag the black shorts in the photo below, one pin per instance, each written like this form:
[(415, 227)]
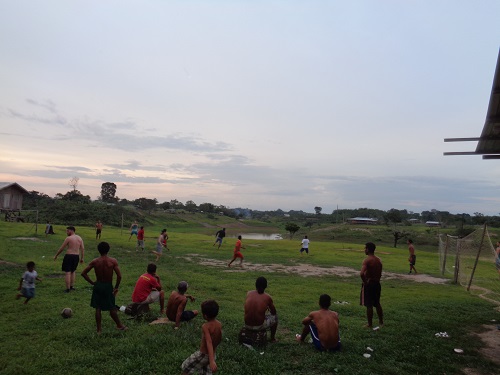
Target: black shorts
[(413, 260), (370, 294), (187, 315), (70, 262)]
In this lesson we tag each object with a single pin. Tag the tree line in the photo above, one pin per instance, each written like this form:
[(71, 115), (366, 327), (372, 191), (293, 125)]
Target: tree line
[(76, 208)]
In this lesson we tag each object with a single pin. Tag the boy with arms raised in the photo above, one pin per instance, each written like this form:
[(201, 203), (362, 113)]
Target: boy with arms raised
[(323, 325), (103, 293), (203, 360)]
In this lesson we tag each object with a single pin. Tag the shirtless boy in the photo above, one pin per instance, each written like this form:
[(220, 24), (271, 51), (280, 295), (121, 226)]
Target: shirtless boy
[(203, 360), (177, 303), (74, 244), (260, 313), (371, 272), (413, 258), (103, 293), (98, 229), (323, 325)]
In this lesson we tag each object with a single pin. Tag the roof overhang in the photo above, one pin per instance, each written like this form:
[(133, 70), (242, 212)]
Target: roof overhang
[(488, 144)]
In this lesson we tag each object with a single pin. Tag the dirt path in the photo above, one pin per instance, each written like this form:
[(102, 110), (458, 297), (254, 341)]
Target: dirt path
[(305, 270)]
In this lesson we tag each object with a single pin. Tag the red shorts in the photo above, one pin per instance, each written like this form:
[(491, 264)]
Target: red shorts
[(238, 254)]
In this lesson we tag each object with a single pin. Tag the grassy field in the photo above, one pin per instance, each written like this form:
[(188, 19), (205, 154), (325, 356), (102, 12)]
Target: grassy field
[(34, 337)]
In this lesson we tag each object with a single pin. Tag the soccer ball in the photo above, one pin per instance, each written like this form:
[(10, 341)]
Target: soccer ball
[(67, 313)]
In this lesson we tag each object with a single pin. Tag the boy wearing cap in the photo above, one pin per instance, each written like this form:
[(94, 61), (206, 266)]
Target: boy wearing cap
[(177, 303)]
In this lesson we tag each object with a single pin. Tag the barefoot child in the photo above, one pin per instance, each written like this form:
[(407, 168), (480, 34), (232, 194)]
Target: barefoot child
[(203, 360), (27, 283), (237, 253), (103, 294)]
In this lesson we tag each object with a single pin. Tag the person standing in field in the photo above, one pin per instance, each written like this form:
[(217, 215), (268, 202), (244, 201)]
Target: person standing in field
[(134, 227), (237, 253), (75, 247), (305, 245), (413, 258), (371, 272), (27, 282), (140, 239), (98, 229), (219, 237), (323, 325), (103, 293), (203, 360), (161, 242), (260, 313)]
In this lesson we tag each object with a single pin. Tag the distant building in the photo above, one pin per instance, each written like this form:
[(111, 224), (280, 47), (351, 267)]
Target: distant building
[(414, 221), (433, 223), (362, 220), (11, 196)]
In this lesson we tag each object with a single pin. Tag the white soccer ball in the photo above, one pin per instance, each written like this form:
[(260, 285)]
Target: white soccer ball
[(66, 313)]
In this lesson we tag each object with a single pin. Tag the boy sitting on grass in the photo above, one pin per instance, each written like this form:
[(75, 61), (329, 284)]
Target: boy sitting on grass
[(323, 325), (177, 303), (203, 360), (27, 282)]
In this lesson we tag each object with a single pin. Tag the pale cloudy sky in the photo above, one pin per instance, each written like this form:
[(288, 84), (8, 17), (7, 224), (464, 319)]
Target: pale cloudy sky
[(260, 104)]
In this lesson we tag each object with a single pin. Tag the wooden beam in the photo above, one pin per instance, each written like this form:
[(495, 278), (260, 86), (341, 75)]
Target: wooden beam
[(460, 153), (462, 139)]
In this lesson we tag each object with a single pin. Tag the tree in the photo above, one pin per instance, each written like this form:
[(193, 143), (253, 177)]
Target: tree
[(174, 203), (207, 207), (108, 191), (75, 196), (73, 182), (397, 236), (190, 206), (164, 205), (393, 216), (146, 204), (291, 228), (318, 209)]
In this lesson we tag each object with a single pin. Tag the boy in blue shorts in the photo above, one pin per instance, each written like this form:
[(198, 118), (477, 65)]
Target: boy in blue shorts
[(323, 325)]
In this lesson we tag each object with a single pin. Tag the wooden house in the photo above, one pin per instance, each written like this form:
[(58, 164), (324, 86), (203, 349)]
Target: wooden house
[(11, 196)]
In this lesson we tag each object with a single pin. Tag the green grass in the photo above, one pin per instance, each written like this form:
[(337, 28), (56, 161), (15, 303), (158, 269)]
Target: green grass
[(35, 339)]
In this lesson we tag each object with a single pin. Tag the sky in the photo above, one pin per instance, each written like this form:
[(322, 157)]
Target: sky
[(259, 104)]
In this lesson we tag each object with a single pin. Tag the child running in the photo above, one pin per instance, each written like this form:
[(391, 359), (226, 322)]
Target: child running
[(237, 253), (203, 360), (27, 282)]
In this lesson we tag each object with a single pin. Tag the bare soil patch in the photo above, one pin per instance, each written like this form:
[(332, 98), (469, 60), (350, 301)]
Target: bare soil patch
[(28, 239), (491, 340), (305, 270)]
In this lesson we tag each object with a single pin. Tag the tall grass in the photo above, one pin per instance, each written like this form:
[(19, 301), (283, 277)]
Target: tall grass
[(35, 339)]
